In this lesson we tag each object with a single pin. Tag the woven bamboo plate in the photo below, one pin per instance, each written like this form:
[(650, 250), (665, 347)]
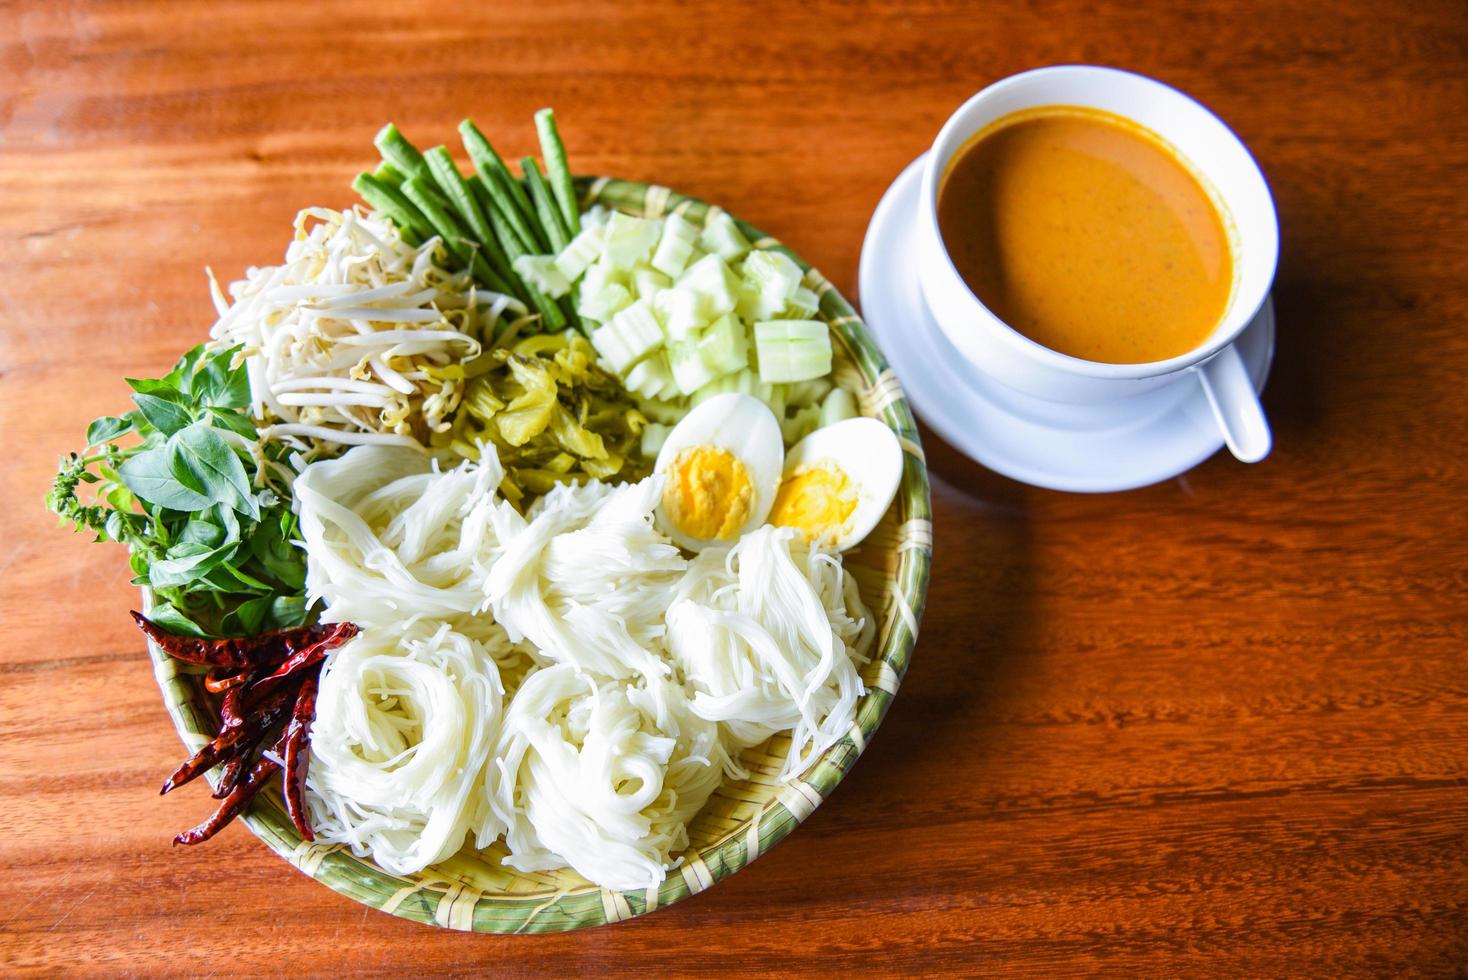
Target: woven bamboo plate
[(473, 891)]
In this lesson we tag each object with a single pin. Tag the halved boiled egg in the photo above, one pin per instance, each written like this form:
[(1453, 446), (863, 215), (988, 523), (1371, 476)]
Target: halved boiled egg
[(721, 467), (838, 482)]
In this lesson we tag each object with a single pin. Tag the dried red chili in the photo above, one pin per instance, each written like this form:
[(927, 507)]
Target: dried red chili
[(267, 686), (231, 741), (235, 652), (233, 805), (307, 656), (221, 684), (297, 756)]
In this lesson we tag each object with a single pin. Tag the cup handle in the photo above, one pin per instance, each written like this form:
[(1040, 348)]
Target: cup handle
[(1236, 406)]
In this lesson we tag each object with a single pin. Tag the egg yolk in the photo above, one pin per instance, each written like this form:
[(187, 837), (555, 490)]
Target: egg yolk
[(708, 494), (817, 499)]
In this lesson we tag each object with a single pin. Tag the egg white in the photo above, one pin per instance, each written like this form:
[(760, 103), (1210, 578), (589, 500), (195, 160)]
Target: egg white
[(742, 426), (871, 457)]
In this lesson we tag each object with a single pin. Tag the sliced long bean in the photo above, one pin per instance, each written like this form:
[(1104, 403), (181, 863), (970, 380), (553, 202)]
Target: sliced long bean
[(555, 318), (446, 175), (557, 170), (516, 193), (401, 154), (389, 174), (511, 205), (436, 208), (455, 239), (412, 224), (471, 212), (494, 251), (545, 205)]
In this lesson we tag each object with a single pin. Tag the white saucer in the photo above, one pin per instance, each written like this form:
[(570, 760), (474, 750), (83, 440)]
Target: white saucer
[(1145, 440)]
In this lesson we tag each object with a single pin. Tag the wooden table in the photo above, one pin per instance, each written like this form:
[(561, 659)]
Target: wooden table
[(1216, 725)]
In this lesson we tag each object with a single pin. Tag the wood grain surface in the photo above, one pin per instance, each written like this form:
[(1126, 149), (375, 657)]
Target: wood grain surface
[(1213, 726)]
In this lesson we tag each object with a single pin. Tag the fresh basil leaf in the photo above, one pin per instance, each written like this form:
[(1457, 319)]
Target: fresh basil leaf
[(162, 387), (118, 497), (220, 383), (107, 428), (201, 532), (184, 568), (271, 546), (249, 617), (149, 476), (163, 414), (182, 375), (241, 577), (201, 459), (166, 615), (235, 422), (286, 612)]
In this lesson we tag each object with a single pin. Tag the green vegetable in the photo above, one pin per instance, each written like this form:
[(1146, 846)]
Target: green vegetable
[(400, 154), (792, 350), (512, 206), (387, 199), (551, 220), (581, 252), (446, 175), (489, 221), (629, 336), (461, 246), (721, 235), (540, 271), (557, 169), (675, 246), (553, 415), (208, 526)]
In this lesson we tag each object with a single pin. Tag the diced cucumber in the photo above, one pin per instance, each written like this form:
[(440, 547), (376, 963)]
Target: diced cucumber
[(661, 410), (629, 240), (723, 346), (803, 393), (719, 386), (690, 373), (792, 350), (582, 250), (600, 274), (648, 282), (675, 246), (721, 235), (715, 285), (541, 272), (628, 336), (653, 437), (680, 311), (800, 424), (650, 377), (775, 274), (601, 304), (839, 406), (803, 304)]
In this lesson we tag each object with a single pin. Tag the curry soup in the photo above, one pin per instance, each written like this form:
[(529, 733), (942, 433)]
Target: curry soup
[(1087, 233)]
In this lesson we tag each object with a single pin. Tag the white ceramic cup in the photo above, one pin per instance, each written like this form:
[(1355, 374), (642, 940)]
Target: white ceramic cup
[(1215, 153)]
